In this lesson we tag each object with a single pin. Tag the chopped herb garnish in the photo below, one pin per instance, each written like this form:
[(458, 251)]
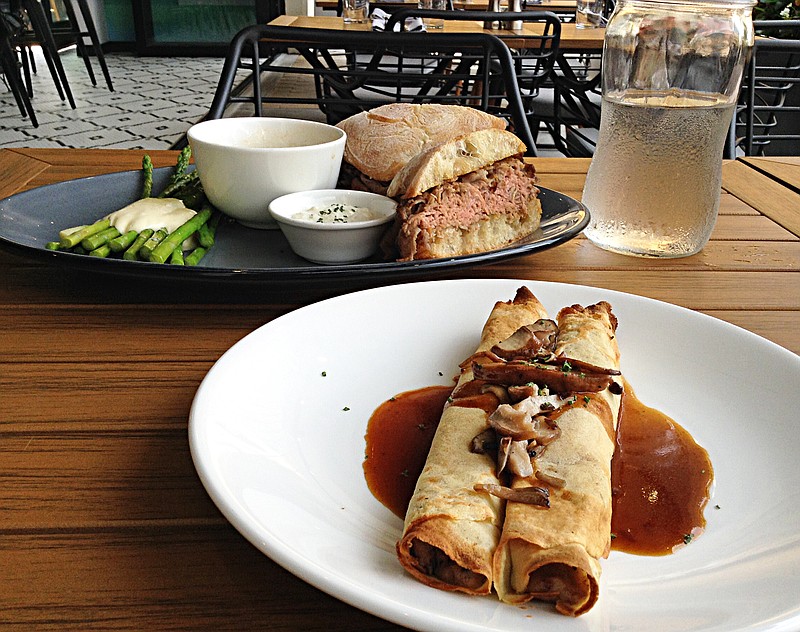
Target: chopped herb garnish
[(346, 408), (587, 399), (422, 426), (404, 473), (566, 367), (324, 374), (687, 537)]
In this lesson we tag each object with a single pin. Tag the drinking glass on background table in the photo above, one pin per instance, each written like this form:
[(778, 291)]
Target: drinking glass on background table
[(671, 76), (355, 11), (588, 14), (439, 5)]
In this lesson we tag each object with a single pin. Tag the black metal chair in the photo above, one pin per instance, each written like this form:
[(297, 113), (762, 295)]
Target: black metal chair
[(39, 32), (569, 108), (768, 113), (10, 69), (534, 56), (560, 90), (353, 71), (574, 120), (83, 28)]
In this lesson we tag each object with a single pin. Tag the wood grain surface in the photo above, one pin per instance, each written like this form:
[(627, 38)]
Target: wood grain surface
[(104, 523), (572, 38)]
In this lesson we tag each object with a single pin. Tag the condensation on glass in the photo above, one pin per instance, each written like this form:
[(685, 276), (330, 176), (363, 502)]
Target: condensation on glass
[(671, 75)]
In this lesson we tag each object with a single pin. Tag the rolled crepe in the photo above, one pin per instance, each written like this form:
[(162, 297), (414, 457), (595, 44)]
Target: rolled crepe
[(451, 531), (553, 554)]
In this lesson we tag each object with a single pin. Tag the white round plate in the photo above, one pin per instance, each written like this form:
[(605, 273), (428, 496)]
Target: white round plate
[(277, 436)]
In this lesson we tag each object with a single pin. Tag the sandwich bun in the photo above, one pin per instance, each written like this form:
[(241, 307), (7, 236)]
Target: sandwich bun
[(452, 159), (381, 141)]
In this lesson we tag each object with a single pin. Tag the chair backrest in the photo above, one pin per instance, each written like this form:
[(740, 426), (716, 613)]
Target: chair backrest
[(768, 114), (534, 54), (350, 71)]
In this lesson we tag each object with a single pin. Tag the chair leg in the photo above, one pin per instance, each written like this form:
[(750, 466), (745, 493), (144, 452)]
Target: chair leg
[(42, 28), (83, 53), (8, 64), (28, 68), (91, 33)]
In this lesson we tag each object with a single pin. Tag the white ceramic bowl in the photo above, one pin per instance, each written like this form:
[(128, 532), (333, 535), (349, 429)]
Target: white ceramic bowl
[(333, 243), (245, 163)]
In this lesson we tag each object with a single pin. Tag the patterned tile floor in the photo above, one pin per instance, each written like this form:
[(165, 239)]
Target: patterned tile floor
[(155, 100)]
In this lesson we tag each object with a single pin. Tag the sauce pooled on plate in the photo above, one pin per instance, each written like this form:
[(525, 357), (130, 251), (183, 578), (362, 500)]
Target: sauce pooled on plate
[(660, 477)]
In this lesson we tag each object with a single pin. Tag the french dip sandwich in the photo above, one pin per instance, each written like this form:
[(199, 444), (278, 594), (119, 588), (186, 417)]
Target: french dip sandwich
[(381, 141), (470, 194)]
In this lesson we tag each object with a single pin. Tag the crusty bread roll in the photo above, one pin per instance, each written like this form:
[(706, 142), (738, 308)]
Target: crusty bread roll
[(466, 195), (381, 141), (454, 158), (419, 238)]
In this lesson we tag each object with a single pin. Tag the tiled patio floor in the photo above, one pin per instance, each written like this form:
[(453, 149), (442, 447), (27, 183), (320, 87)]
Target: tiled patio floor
[(155, 100)]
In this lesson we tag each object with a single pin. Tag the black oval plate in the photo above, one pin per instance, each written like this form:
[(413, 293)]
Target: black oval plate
[(30, 219)]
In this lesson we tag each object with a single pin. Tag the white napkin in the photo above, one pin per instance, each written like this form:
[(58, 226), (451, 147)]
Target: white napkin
[(380, 18)]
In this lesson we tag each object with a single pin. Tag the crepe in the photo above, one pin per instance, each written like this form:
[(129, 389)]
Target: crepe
[(553, 554), (451, 531)]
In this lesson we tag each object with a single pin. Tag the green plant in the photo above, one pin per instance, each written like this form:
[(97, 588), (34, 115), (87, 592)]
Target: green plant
[(777, 10)]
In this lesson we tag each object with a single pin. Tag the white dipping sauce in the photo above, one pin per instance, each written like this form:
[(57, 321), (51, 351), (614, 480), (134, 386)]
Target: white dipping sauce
[(337, 213), (154, 213)]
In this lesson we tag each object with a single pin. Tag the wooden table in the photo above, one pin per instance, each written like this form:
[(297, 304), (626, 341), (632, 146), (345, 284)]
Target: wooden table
[(104, 522), (572, 38), (557, 6)]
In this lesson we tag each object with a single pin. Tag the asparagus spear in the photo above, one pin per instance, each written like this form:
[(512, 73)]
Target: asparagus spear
[(71, 237), (193, 258), (150, 245), (53, 245), (132, 253), (183, 161), (101, 251), (208, 230), (179, 176), (192, 195), (122, 242), (147, 168), (177, 237), (176, 258), (99, 239), (178, 183)]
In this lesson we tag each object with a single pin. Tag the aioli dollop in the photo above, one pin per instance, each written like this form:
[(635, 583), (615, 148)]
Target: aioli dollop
[(336, 213), (154, 213)]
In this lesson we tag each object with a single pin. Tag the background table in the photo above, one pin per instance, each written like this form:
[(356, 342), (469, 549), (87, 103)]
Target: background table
[(558, 6), (572, 38), (104, 522)]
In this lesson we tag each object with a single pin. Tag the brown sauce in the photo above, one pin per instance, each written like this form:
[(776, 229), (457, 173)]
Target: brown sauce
[(399, 436), (660, 480), (660, 477)]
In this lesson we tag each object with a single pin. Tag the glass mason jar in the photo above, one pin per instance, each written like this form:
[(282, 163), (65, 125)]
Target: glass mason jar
[(671, 73)]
